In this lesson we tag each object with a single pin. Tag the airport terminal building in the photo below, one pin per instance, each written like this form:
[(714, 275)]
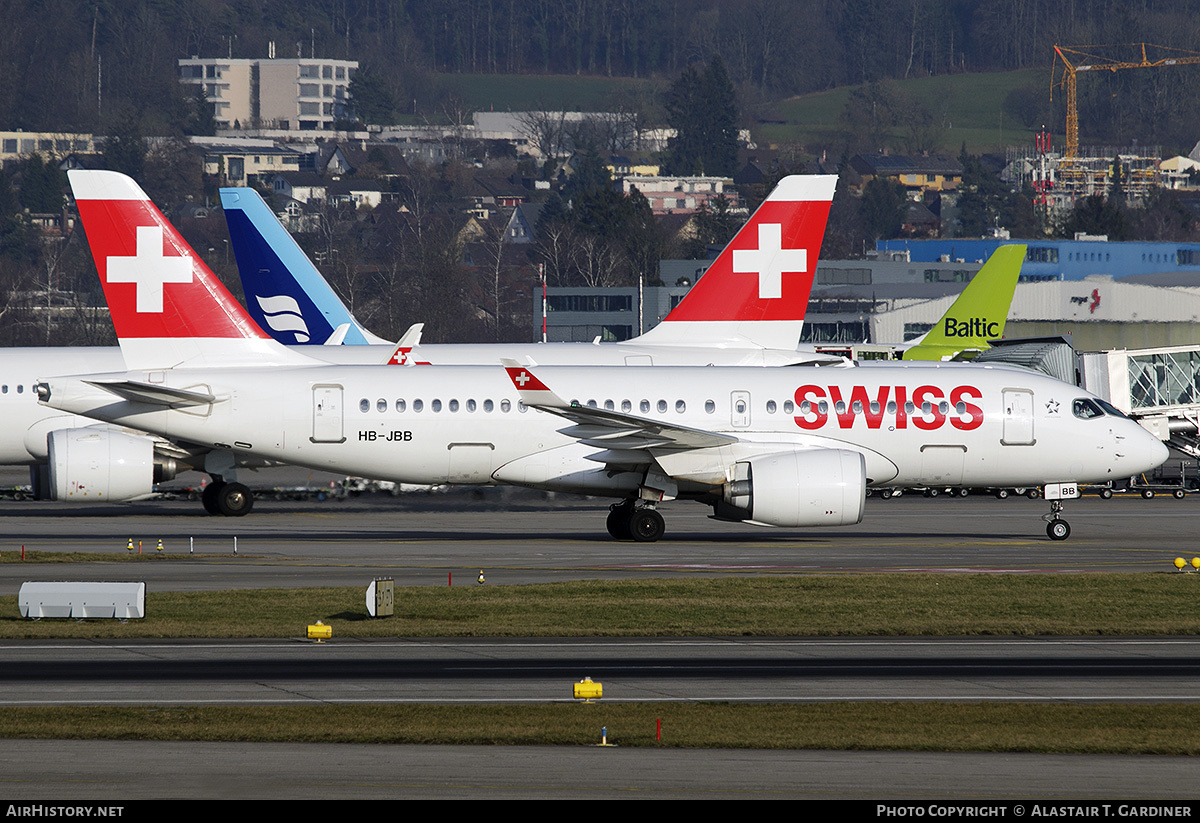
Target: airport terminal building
[(894, 297)]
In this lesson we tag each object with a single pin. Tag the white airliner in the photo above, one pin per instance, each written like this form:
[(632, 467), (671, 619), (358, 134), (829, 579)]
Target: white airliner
[(783, 447), (723, 323)]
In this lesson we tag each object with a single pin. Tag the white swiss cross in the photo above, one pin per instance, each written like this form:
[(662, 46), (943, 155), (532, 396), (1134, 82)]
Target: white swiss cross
[(149, 269), (522, 378), (770, 260)]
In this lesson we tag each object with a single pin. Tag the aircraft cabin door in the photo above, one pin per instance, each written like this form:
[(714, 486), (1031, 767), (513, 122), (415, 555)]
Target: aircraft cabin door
[(1018, 418), (327, 415), (739, 409)]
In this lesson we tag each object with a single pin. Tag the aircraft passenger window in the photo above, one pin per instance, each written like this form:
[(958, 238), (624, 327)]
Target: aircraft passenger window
[(909, 408), (381, 405), (926, 408), (840, 407), (662, 406), (874, 407), (857, 406), (626, 406), (400, 405), (770, 407), (943, 407), (4, 389), (364, 405), (453, 405), (591, 404), (1085, 409), (488, 405), (521, 407), (960, 407), (741, 407), (20, 389), (709, 406), (823, 407), (608, 404), (436, 405), (470, 405), (891, 407), (644, 406), (788, 407), (805, 407), (505, 406), (680, 407), (418, 405)]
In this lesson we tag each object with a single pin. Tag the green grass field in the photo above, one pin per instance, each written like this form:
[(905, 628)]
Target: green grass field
[(809, 605), (969, 104)]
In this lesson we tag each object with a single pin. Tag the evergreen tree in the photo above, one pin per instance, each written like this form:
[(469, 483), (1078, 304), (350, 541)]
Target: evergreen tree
[(702, 108)]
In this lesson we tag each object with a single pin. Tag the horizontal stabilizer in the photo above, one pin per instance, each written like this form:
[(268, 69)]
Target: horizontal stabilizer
[(154, 394)]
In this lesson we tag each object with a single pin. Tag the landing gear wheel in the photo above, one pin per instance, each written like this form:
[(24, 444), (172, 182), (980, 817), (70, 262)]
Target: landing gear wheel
[(932, 492), (963, 492), (618, 521), (1058, 529), (886, 494), (1001, 494), (1178, 494), (234, 500), (1033, 494), (1147, 493), (646, 525), (1106, 494), (208, 498)]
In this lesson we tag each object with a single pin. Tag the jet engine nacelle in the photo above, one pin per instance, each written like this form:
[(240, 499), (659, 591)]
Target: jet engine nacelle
[(92, 464), (819, 487)]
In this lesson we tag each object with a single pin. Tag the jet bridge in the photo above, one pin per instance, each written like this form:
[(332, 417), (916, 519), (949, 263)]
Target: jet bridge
[(1160, 388)]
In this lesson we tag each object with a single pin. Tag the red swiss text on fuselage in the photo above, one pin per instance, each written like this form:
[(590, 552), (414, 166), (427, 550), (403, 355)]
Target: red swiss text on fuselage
[(925, 407)]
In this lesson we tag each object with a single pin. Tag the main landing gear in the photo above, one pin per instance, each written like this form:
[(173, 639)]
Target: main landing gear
[(629, 521), (228, 499), (1056, 527)]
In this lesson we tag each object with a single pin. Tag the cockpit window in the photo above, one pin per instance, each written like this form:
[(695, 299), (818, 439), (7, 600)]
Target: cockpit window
[(1111, 409), (1086, 409)]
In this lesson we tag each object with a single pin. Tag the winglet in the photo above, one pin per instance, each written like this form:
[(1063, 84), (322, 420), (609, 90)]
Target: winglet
[(532, 391)]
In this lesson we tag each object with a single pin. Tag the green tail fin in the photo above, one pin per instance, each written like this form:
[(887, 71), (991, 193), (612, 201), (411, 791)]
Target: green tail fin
[(979, 313)]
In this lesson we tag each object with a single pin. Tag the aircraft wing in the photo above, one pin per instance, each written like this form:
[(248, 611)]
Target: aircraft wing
[(609, 429)]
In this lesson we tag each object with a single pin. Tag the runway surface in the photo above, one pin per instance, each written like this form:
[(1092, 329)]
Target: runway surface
[(514, 670), (520, 538)]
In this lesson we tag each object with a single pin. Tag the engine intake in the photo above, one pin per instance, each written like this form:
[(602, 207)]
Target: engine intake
[(818, 487)]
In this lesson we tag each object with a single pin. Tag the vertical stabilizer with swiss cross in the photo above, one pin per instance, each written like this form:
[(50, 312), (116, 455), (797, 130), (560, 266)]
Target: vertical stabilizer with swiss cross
[(756, 292), (167, 307)]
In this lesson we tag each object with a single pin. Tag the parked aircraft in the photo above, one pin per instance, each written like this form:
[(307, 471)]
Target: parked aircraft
[(784, 447), (978, 315), (800, 205), (276, 272)]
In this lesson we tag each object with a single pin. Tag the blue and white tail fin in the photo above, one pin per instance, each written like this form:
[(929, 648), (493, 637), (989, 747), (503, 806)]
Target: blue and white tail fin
[(286, 295)]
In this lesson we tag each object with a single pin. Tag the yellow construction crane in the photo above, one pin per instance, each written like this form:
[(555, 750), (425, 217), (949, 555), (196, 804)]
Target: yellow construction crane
[(1091, 61)]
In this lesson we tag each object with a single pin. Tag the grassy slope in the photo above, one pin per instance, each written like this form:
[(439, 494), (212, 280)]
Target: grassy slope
[(969, 103)]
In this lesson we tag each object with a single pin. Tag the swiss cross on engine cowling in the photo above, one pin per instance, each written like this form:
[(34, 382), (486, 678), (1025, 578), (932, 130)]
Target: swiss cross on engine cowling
[(149, 270), (770, 261)]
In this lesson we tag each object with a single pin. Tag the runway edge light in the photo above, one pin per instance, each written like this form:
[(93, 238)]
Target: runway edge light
[(1180, 563), (320, 632)]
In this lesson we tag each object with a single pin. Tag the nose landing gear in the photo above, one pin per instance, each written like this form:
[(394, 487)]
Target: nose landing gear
[(1056, 527)]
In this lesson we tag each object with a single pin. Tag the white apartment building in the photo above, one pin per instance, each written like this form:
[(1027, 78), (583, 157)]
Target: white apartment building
[(301, 94)]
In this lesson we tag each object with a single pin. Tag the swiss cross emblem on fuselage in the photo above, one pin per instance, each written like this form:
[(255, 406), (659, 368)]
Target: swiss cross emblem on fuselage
[(149, 269), (770, 261)]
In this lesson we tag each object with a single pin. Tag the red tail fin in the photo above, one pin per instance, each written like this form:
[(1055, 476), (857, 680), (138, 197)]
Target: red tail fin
[(159, 292), (764, 275)]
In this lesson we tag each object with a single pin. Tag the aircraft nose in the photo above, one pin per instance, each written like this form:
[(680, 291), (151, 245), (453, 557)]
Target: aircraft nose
[(1146, 451)]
